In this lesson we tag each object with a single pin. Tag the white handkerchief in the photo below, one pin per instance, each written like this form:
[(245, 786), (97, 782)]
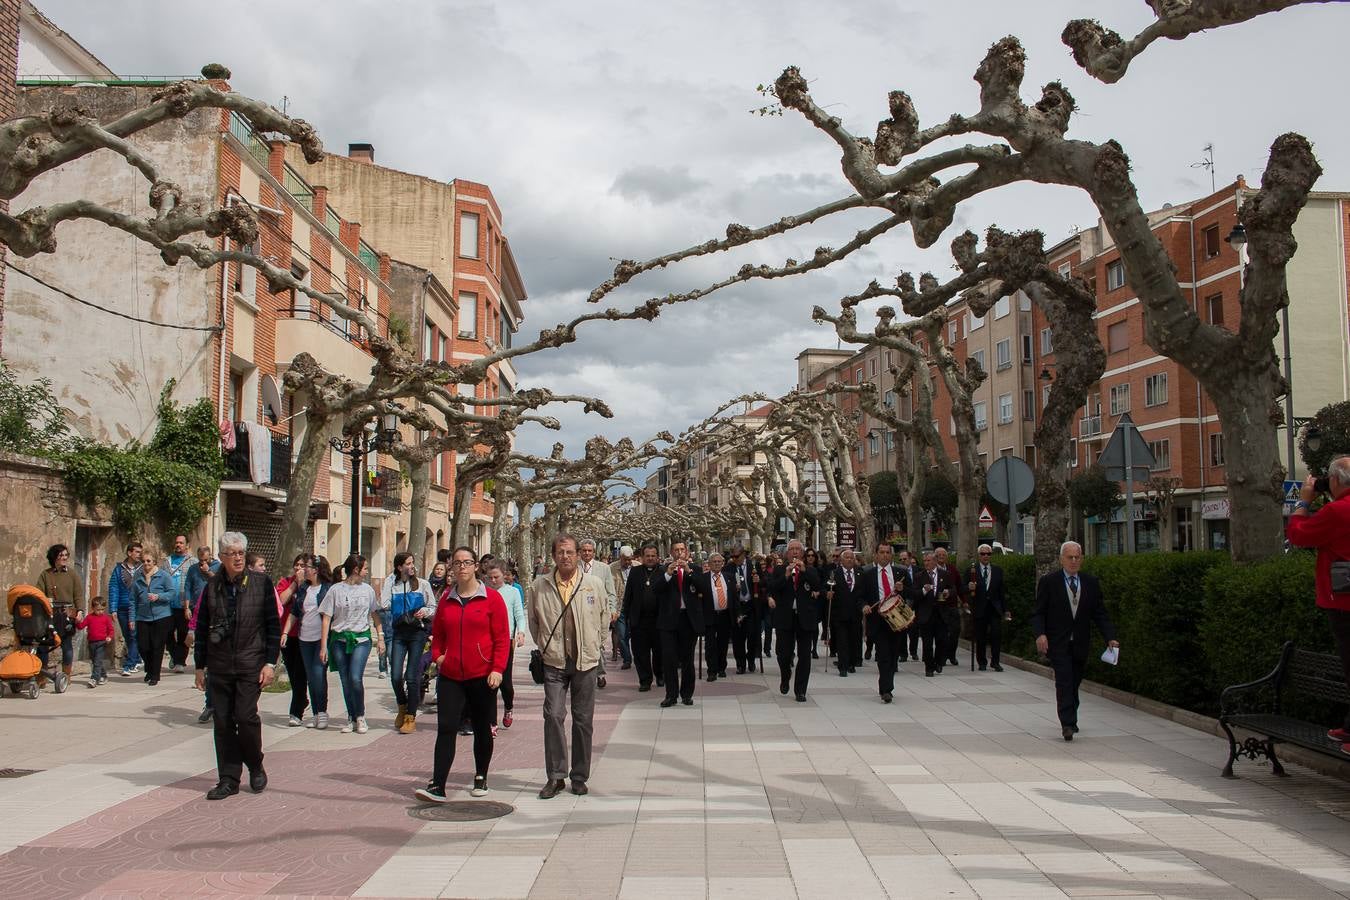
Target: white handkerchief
[(1111, 656)]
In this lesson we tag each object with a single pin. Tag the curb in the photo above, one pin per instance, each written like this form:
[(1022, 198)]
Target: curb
[(1323, 765)]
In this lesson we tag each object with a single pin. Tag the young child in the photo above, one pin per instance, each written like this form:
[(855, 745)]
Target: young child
[(64, 619), (100, 626)]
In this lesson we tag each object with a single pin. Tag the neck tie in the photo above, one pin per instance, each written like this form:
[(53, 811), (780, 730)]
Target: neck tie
[(1073, 594), (721, 601), (848, 576), (885, 581), (679, 579), (985, 575), (796, 579)]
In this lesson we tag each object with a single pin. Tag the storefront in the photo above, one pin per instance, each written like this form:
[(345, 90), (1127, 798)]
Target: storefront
[(1214, 514)]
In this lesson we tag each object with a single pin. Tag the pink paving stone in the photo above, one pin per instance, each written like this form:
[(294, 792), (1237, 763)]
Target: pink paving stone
[(327, 822)]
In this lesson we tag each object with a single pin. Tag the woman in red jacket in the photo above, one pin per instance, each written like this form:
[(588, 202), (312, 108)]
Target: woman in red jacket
[(470, 642)]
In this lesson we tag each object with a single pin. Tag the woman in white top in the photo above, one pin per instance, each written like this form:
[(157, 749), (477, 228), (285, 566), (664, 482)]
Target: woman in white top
[(305, 626), (351, 616), (515, 607)]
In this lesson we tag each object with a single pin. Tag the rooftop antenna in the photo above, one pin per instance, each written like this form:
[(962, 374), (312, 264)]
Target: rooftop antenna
[(285, 103), (1207, 163)]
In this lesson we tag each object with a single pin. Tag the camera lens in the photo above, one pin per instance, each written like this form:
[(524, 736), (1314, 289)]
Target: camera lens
[(1322, 485)]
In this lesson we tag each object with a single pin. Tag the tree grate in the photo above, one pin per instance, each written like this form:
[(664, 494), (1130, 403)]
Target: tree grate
[(17, 773), (461, 811)]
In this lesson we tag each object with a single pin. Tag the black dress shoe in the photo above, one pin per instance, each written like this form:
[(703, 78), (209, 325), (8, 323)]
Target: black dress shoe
[(224, 788), (782, 687), (929, 674), (660, 682), (852, 669), (257, 780), (752, 667), (1075, 729), (887, 697), (668, 702), (843, 673), (642, 688), (625, 667), (952, 661), (722, 674), (579, 788), (801, 698), (600, 682), (981, 668), (867, 655), (996, 667), (551, 789), (740, 670), (712, 676), (687, 701), (938, 670), (1067, 732), (815, 655)]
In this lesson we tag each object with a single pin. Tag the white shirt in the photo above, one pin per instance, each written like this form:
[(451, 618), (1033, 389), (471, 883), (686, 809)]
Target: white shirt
[(350, 605), (890, 575), (311, 626)]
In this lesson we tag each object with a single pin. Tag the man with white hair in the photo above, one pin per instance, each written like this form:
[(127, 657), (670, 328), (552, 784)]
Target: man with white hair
[(238, 639), (590, 566), (1328, 530), (794, 595), (1068, 601), (619, 571)]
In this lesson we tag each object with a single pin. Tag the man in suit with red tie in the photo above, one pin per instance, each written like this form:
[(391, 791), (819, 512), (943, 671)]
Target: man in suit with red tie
[(989, 604), (880, 582), (794, 590), (845, 601), (1067, 603), (680, 621), (931, 586), (721, 607)]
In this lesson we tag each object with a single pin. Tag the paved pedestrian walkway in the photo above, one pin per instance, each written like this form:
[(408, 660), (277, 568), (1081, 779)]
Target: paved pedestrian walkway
[(961, 788)]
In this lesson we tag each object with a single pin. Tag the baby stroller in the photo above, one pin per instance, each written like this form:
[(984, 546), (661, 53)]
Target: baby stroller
[(35, 629), (428, 676)]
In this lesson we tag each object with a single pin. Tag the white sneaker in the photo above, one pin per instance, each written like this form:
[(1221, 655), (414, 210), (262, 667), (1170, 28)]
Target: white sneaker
[(93, 683), (139, 667), (384, 675), (349, 727), (126, 673), (321, 721), (361, 726), (311, 722), (294, 722)]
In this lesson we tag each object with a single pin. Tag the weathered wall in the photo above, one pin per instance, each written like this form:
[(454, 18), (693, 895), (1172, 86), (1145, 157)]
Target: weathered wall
[(108, 371)]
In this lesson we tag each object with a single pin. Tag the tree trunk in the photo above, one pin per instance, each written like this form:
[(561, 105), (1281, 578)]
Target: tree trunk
[(1253, 472), (308, 461), (459, 526), (419, 476)]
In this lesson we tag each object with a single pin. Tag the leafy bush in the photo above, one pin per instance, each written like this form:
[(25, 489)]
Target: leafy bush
[(32, 420)]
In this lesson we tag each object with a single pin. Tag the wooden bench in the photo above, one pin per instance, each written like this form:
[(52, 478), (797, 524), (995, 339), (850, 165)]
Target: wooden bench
[(1257, 707)]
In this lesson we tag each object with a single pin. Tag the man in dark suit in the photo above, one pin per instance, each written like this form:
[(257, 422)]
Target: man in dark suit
[(879, 582), (931, 587), (984, 588), (680, 621), (1067, 603), (641, 608), (745, 631), (721, 608), (951, 607), (794, 591), (909, 565), (845, 601)]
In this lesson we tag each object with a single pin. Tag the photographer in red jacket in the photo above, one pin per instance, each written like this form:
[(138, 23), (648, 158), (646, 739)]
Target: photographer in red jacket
[(1328, 530)]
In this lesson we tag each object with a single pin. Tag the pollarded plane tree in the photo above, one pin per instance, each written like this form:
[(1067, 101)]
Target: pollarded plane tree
[(33, 146), (900, 171)]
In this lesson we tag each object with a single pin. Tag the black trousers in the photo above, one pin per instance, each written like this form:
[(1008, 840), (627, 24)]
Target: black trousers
[(646, 642), (238, 728), (951, 618), (845, 635), (717, 642), (507, 690), (178, 648), (1339, 620), (933, 636), (677, 657), (792, 640), (452, 699), (298, 676), (889, 645), (151, 638), (746, 640), (1069, 671), (988, 634), (911, 648)]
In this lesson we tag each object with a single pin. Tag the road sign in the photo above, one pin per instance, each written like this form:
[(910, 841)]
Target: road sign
[(986, 517), (1010, 481), (846, 536), (1127, 458), (1293, 492)]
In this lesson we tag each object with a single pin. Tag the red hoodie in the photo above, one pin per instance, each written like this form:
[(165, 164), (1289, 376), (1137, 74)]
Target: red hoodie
[(474, 634)]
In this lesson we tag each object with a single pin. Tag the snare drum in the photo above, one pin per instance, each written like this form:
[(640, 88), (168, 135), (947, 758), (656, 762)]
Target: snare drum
[(896, 613)]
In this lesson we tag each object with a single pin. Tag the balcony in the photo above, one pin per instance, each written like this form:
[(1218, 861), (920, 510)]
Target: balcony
[(239, 470), (1090, 426), (336, 343), (383, 490)]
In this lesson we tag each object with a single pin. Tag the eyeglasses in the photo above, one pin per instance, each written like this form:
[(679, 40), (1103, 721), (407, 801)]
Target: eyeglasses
[(461, 563), (985, 553), (225, 553)]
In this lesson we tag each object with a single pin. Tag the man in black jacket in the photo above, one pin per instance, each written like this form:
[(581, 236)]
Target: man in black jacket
[(680, 622), (989, 604), (880, 582), (931, 587), (1067, 603), (641, 606), (721, 609), (845, 601), (237, 641), (794, 591), (745, 631)]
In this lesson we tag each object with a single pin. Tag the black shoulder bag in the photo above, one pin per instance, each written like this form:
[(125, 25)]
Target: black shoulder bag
[(537, 655)]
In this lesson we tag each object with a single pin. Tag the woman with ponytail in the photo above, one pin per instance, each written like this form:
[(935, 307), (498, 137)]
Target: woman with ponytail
[(351, 616)]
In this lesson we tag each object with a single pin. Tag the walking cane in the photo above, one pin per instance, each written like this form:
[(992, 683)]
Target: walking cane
[(829, 611), (700, 657)]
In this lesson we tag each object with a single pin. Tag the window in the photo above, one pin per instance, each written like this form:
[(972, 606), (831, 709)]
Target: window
[(890, 440), (872, 367), (1003, 351), (428, 340), (1117, 337), (468, 235), (1005, 410), (861, 454), (438, 469), (1023, 302), (1216, 449), (978, 356), (1047, 345), (981, 416), (468, 314), (888, 399), (299, 299), (1073, 452), (858, 376), (888, 359), (951, 331), (1120, 399), (1002, 306), (1026, 349), (951, 426), (1029, 455), (1162, 454), (974, 324), (1155, 389), (1029, 406), (1065, 269), (873, 445), (444, 355), (1115, 275), (1212, 242), (1214, 309), (1045, 396)]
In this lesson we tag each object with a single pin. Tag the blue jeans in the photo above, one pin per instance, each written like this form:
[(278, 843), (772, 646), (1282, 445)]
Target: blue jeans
[(405, 657), (386, 625), (624, 649), (133, 657), (317, 674), (351, 666)]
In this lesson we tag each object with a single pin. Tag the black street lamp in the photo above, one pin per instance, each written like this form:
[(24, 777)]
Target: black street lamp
[(370, 439)]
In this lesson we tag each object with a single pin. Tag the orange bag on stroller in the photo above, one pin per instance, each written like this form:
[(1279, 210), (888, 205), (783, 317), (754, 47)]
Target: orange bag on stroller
[(35, 628)]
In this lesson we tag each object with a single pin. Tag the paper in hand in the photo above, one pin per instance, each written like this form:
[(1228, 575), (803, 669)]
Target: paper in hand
[(1111, 656)]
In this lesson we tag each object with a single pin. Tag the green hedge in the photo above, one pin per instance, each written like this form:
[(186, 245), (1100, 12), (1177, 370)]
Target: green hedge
[(1189, 623)]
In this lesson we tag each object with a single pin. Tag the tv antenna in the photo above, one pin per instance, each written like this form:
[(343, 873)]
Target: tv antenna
[(1207, 163)]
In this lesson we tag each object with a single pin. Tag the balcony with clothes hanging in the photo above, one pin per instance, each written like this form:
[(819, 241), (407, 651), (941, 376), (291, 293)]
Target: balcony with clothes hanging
[(257, 461)]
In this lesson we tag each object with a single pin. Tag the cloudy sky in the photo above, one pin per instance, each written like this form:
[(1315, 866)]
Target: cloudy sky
[(617, 129)]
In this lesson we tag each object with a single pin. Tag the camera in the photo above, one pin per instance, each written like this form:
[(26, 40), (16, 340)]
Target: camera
[(220, 631), (1322, 485)]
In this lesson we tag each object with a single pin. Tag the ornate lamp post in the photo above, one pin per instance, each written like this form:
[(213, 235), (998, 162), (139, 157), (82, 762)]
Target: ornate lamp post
[(371, 439)]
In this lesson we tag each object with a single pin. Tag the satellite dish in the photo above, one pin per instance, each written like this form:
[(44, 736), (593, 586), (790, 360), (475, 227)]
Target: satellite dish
[(271, 399)]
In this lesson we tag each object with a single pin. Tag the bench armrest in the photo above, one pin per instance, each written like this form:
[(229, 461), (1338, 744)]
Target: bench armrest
[(1235, 695)]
